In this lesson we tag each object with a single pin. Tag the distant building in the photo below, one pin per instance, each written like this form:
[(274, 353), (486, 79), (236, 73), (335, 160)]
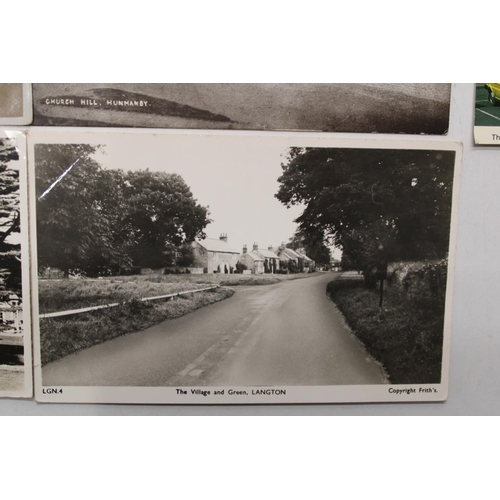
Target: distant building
[(14, 300), (288, 255), (11, 313), (253, 260), (335, 264), (271, 260), (309, 264), (215, 255)]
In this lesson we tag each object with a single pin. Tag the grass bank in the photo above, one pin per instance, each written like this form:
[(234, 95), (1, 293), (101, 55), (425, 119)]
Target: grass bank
[(406, 337), (261, 279), (63, 336), (64, 294)]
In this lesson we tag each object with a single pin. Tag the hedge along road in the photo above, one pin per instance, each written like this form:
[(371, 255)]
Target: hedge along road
[(289, 333)]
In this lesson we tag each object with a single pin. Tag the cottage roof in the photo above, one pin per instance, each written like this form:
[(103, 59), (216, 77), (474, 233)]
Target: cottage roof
[(255, 256), (217, 245), (284, 252), (304, 256), (269, 254), (292, 253)]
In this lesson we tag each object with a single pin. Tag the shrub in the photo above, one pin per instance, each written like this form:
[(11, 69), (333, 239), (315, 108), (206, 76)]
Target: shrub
[(130, 271), (240, 267), (186, 256), (176, 270), (422, 282)]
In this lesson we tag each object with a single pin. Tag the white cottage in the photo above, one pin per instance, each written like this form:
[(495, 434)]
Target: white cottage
[(271, 260), (253, 260), (215, 255), (289, 259), (309, 264)]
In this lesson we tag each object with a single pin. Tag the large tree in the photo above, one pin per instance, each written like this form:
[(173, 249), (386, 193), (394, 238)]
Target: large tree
[(78, 210), (366, 200), (97, 220), (162, 215)]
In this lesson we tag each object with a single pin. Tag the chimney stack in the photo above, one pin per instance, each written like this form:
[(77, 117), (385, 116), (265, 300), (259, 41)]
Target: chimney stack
[(223, 237), (255, 247), (270, 247), (244, 249)]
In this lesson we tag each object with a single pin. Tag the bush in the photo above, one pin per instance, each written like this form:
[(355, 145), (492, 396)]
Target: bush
[(130, 271), (240, 267), (185, 257), (176, 270), (406, 337), (422, 282)]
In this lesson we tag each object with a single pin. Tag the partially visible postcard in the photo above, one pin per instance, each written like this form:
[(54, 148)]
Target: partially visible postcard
[(16, 107), (190, 268), (392, 108), (15, 324), (487, 116)]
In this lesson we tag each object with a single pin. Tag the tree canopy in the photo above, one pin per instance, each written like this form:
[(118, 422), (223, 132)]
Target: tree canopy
[(98, 221), (161, 215), (363, 200)]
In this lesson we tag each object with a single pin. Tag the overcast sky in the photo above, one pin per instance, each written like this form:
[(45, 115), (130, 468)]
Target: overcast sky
[(235, 176)]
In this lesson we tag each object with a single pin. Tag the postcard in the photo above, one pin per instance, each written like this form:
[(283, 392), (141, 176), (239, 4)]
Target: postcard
[(16, 106), (15, 331), (394, 108), (487, 114), (189, 268)]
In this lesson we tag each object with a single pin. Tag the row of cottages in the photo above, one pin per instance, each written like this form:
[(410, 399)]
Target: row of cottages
[(217, 255), (259, 260), (301, 262)]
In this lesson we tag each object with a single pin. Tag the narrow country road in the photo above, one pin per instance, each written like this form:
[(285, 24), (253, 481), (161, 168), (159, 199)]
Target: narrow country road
[(289, 333)]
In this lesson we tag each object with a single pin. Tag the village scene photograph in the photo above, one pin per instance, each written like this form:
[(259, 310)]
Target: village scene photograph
[(12, 335), (187, 260)]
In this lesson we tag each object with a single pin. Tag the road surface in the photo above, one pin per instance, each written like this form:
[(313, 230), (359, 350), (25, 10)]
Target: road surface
[(289, 333)]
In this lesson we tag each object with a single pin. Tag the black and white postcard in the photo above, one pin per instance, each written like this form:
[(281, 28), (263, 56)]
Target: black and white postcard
[(16, 107), (185, 268), (487, 114), (395, 108), (15, 331)]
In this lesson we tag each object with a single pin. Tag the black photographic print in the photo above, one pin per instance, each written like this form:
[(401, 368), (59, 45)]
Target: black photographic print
[(15, 337), (394, 108), (187, 268)]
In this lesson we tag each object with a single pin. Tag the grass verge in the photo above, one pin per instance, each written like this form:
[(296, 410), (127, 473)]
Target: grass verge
[(66, 294), (60, 337), (406, 337)]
